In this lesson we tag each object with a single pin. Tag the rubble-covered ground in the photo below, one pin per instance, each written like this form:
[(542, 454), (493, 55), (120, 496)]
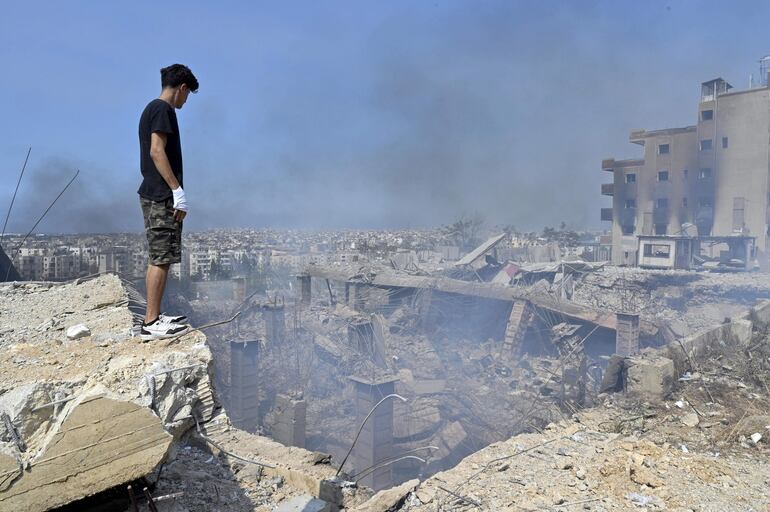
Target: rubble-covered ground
[(705, 448), (686, 301), (463, 392), (54, 387)]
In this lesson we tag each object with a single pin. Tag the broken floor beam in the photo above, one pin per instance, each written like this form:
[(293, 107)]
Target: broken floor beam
[(568, 310)]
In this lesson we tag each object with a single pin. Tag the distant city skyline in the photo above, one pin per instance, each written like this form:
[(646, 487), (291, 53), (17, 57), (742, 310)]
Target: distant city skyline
[(355, 114)]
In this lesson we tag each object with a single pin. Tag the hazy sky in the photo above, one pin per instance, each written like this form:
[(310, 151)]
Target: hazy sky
[(355, 113)]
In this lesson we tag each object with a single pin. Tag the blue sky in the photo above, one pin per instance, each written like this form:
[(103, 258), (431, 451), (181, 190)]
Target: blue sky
[(355, 114)]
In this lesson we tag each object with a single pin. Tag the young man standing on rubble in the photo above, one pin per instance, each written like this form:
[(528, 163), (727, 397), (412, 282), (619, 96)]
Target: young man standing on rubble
[(162, 198)]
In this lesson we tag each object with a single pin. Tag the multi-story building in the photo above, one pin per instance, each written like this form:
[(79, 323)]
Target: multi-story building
[(708, 180), (117, 260), (30, 267), (200, 262)]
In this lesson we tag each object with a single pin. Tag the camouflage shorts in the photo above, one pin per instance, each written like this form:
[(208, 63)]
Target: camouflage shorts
[(164, 234)]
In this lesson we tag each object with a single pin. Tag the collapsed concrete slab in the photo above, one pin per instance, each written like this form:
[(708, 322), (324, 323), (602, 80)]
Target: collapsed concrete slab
[(102, 443)]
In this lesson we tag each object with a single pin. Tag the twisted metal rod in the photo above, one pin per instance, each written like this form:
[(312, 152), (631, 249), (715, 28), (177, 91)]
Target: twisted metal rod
[(361, 428)]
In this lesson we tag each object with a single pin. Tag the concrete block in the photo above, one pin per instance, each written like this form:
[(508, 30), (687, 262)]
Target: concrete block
[(741, 331), (389, 498), (650, 377), (304, 503)]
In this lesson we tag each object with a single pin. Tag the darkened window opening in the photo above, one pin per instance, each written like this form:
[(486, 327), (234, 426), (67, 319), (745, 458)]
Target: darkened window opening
[(631, 178), (662, 175), (707, 115), (704, 173), (663, 149), (662, 202), (657, 251), (724, 142), (705, 144)]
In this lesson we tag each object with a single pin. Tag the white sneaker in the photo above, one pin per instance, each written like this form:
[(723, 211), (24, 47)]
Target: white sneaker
[(173, 319), (160, 329)]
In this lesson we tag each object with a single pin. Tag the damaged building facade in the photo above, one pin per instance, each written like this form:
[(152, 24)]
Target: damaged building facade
[(705, 180)]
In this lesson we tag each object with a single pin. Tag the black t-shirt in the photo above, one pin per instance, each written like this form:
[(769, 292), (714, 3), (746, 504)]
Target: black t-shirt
[(159, 116)]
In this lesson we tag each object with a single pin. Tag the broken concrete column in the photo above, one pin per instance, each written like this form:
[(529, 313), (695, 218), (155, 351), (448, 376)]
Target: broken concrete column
[(627, 334), (290, 416), (275, 323), (239, 289), (305, 287), (244, 399), (424, 304), (366, 335), (361, 335), (518, 321), (356, 294), (376, 441)]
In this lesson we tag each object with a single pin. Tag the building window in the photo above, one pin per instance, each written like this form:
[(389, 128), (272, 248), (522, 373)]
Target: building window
[(705, 202), (630, 178), (704, 173), (705, 144), (724, 142), (684, 202), (660, 229), (661, 202), (684, 173), (630, 203), (662, 175), (627, 229), (706, 115), (663, 149), (657, 250)]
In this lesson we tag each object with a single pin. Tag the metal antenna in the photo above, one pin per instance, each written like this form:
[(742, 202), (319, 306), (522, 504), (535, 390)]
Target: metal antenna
[(14, 194), (16, 251)]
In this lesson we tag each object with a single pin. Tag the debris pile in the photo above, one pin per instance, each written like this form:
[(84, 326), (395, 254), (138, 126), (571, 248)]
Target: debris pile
[(86, 407), (702, 449)]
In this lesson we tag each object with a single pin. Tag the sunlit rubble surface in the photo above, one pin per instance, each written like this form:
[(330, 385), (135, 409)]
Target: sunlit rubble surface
[(83, 416)]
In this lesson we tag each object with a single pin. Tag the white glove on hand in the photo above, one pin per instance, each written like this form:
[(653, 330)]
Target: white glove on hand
[(180, 201)]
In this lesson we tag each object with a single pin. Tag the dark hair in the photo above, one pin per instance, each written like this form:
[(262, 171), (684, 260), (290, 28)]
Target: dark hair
[(176, 75)]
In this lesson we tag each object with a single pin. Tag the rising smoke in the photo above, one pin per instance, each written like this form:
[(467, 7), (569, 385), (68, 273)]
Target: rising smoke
[(415, 118)]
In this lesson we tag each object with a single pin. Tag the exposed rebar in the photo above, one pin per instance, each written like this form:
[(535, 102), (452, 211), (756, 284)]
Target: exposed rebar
[(13, 199), (40, 219), (386, 459), (364, 474), (361, 428)]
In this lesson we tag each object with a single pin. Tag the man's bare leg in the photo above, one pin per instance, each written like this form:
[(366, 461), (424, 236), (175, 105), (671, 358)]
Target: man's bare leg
[(156, 285)]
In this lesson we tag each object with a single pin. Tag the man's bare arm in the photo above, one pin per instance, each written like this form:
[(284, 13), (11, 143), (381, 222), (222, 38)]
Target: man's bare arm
[(160, 159)]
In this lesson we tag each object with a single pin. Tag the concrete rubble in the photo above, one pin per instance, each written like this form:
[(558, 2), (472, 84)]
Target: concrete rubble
[(85, 413), (520, 387)]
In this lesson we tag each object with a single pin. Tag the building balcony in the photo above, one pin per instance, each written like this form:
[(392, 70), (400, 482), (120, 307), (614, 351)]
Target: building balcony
[(608, 189), (610, 164), (607, 214)]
